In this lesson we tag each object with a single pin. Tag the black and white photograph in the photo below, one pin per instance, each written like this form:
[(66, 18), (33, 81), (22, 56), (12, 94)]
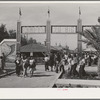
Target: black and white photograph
[(49, 44)]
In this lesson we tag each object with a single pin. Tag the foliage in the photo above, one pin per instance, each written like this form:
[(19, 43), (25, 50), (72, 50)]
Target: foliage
[(12, 34), (23, 41), (3, 32), (31, 40), (93, 37)]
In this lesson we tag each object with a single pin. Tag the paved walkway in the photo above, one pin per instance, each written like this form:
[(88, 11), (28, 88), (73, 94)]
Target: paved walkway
[(41, 79), (76, 82)]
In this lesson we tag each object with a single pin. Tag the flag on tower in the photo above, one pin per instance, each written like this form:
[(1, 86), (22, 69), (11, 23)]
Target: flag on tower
[(20, 12), (48, 13), (79, 11)]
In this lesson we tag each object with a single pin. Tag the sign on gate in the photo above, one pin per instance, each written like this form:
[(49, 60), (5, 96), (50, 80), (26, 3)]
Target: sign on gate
[(33, 29)]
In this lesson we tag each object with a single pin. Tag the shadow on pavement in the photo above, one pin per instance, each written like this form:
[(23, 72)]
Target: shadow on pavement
[(41, 75)]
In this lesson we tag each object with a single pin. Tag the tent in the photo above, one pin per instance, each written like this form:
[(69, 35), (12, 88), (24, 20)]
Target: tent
[(36, 49), (33, 48), (90, 49)]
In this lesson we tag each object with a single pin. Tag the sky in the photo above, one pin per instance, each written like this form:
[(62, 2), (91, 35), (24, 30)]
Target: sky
[(60, 14)]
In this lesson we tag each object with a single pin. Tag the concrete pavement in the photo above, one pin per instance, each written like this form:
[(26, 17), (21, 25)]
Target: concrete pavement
[(78, 82), (41, 79)]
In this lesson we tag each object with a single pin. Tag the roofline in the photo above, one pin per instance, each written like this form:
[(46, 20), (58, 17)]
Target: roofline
[(5, 40)]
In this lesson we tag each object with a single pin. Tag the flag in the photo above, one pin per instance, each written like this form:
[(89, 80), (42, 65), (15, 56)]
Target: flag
[(48, 13), (79, 11), (20, 12)]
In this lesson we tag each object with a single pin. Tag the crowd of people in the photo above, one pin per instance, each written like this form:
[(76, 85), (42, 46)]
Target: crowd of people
[(72, 63), (76, 64), (55, 62), (23, 64)]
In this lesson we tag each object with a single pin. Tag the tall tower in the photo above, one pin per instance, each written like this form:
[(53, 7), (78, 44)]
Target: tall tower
[(79, 37), (48, 32), (18, 35)]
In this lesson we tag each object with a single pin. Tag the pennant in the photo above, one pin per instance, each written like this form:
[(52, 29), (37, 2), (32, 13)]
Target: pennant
[(48, 13), (79, 11), (20, 12)]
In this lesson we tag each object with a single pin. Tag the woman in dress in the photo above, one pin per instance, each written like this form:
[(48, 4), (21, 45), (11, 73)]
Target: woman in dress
[(18, 63), (25, 65), (82, 66), (32, 65)]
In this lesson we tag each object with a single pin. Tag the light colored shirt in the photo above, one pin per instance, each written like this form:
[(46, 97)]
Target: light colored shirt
[(72, 62), (46, 59), (75, 60), (31, 61), (69, 61), (17, 61), (24, 60), (82, 62), (66, 57)]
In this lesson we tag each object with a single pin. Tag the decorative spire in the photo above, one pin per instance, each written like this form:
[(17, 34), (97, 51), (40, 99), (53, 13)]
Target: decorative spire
[(79, 12), (20, 13), (48, 13)]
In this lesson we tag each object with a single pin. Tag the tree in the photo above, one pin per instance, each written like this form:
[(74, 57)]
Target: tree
[(31, 40), (23, 41), (12, 34), (93, 38), (3, 32)]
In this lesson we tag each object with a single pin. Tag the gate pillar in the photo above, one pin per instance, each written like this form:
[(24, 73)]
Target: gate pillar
[(48, 35), (18, 37), (79, 36)]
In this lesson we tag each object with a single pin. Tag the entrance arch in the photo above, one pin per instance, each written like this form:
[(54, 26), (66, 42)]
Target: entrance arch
[(49, 30)]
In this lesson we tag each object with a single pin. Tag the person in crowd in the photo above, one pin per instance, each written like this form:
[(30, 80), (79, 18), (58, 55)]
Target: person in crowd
[(55, 60), (46, 60), (18, 63), (62, 66), (32, 66), (82, 66), (69, 64), (3, 59), (25, 65), (75, 62), (65, 57), (58, 57), (86, 59), (57, 66), (35, 64), (51, 61), (72, 66), (89, 60), (95, 59)]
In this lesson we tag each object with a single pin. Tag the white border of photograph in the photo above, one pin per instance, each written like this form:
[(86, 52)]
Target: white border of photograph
[(49, 93)]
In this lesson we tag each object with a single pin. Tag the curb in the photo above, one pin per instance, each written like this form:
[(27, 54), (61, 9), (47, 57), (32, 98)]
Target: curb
[(53, 83), (9, 73)]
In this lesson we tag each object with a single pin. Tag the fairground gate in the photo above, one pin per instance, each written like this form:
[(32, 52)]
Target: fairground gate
[(49, 29)]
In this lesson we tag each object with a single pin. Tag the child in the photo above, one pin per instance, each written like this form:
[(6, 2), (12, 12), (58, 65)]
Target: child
[(18, 63), (82, 66), (57, 66), (46, 59), (62, 65), (32, 66)]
